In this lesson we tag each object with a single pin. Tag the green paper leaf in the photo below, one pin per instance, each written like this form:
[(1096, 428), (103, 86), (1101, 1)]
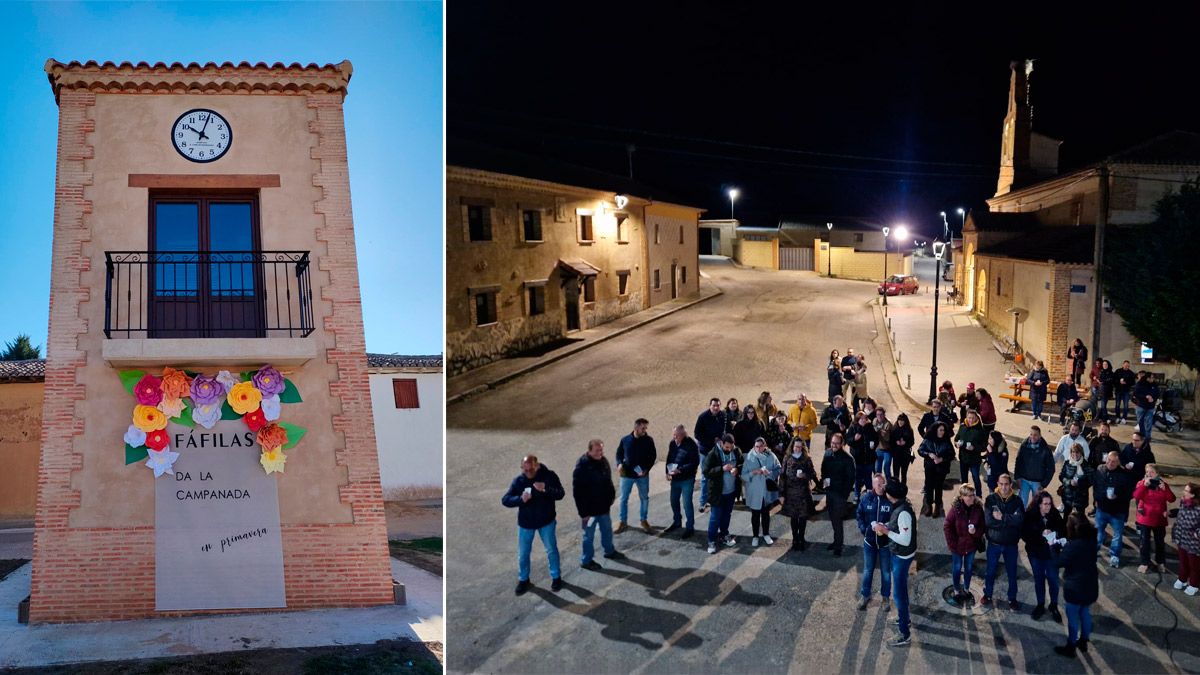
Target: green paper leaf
[(290, 393), (129, 379), (227, 412), (185, 417), (294, 433), (191, 374), (247, 375), (133, 454)]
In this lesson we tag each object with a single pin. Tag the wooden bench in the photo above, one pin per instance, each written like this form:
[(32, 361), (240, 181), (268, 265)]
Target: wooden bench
[(1006, 346), (1017, 401)]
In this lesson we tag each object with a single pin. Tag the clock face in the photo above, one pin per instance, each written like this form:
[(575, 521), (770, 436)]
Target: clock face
[(201, 135)]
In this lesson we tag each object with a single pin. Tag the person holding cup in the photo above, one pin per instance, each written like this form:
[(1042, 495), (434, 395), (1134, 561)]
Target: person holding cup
[(1114, 490), (1152, 496), (863, 440), (683, 458), (760, 471), (964, 529), (1043, 527), (1004, 515), (635, 457), (533, 493), (837, 474), (874, 508), (721, 468), (795, 485), (971, 440), (1077, 476)]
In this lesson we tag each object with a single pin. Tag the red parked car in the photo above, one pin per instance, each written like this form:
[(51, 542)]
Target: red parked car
[(899, 284)]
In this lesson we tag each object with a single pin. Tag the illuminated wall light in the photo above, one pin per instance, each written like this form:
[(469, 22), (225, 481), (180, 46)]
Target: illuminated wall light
[(622, 201)]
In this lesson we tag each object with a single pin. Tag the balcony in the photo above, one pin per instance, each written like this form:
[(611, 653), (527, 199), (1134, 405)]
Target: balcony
[(206, 308)]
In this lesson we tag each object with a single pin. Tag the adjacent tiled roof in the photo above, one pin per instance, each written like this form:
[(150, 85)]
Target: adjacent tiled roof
[(579, 267), (211, 77), (403, 361), (809, 222), (1174, 147), (990, 221), (1070, 244), (32, 370)]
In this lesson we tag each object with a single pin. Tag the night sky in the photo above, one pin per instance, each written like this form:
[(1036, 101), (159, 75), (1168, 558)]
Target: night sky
[(890, 114)]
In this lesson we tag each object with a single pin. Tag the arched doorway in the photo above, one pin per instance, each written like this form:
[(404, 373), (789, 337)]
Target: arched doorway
[(969, 276), (981, 292)]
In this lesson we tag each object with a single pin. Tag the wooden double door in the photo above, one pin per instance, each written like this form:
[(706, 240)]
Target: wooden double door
[(205, 266)]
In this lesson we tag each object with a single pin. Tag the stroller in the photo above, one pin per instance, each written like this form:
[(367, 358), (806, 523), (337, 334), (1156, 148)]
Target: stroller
[(1166, 420), (1080, 413)]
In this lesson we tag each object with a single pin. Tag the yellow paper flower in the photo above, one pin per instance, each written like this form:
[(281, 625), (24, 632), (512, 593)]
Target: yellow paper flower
[(244, 398), (148, 418), (273, 461)]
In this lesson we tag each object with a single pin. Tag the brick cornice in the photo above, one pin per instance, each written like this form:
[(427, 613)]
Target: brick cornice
[(196, 78)]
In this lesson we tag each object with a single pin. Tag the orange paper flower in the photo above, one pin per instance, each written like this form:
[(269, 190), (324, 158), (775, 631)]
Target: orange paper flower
[(176, 383), (148, 418), (244, 398), (272, 437)]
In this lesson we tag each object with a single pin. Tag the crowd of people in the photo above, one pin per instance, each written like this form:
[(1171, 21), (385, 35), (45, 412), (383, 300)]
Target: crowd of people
[(763, 457)]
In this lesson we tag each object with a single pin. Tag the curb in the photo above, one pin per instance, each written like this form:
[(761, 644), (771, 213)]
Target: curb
[(558, 357)]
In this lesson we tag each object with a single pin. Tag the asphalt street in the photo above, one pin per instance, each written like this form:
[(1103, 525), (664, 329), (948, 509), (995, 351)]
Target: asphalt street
[(671, 607)]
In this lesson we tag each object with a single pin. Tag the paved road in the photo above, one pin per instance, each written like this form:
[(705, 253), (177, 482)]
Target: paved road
[(671, 607)]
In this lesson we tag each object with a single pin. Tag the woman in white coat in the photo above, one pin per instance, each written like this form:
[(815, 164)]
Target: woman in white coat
[(760, 473)]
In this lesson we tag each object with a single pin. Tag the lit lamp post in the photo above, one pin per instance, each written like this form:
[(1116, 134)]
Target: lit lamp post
[(886, 229), (829, 251), (733, 195), (939, 248)]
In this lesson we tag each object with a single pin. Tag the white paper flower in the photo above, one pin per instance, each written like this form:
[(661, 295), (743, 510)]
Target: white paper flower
[(270, 408), (135, 437), (161, 461), (228, 379), (207, 415), (171, 407)]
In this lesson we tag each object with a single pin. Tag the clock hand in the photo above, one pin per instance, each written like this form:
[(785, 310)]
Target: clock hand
[(206, 121)]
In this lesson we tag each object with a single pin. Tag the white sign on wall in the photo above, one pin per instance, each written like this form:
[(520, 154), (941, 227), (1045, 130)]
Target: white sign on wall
[(217, 542)]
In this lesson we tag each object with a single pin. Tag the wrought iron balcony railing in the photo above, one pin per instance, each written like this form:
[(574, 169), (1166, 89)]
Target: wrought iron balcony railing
[(207, 294)]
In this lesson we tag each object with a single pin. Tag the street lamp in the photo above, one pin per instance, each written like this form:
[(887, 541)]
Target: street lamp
[(733, 195), (829, 250), (939, 248), (962, 214), (886, 229), (945, 225)]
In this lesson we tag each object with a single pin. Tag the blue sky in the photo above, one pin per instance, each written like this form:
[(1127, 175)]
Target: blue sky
[(396, 49)]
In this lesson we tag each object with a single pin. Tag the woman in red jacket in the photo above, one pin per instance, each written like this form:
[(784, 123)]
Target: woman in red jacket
[(1152, 495), (964, 529), (987, 411)]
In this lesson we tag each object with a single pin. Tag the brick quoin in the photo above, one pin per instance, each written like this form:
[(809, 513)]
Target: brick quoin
[(107, 573)]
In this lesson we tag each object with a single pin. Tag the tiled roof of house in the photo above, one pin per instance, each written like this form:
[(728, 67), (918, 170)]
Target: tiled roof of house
[(991, 221), (403, 361), (1070, 244), (210, 77), (31, 370)]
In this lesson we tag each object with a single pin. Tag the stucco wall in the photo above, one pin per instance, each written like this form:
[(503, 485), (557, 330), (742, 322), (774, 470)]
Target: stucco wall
[(846, 263), (409, 439), (671, 221), (20, 433)]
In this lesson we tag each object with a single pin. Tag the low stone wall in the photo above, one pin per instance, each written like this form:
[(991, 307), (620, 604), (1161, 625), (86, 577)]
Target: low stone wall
[(478, 346)]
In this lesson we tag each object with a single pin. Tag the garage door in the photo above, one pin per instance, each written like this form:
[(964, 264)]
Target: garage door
[(795, 258)]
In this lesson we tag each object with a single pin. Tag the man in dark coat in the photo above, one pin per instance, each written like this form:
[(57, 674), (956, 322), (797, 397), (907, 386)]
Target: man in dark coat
[(592, 486), (1145, 396), (635, 456), (937, 413), (1123, 380), (1035, 464), (1004, 515), (533, 493), (721, 467), (683, 459), (1135, 457), (836, 419), (837, 473), (1114, 490), (710, 427), (1101, 445)]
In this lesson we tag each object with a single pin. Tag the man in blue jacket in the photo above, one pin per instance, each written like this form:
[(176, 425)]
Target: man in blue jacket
[(533, 493), (875, 508), (635, 456), (1004, 515), (710, 427), (683, 458)]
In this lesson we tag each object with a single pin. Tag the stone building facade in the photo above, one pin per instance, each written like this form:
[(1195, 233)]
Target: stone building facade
[(280, 185), (529, 261), (22, 387)]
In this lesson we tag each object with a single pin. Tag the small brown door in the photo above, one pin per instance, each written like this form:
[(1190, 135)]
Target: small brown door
[(571, 296), (674, 281)]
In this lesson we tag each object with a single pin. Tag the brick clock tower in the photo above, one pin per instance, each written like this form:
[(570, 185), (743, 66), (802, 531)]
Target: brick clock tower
[(207, 441), (1018, 123)]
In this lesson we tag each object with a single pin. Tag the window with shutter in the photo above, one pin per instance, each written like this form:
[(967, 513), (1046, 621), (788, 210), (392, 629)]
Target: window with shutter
[(405, 391)]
